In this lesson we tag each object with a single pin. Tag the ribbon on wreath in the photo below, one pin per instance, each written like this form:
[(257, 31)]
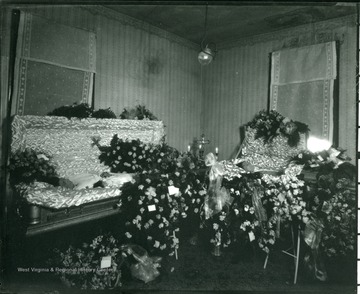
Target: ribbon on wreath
[(258, 206), (146, 268), (217, 196), (313, 260)]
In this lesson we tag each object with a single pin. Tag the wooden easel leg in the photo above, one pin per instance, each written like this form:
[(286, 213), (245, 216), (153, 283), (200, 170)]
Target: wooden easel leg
[(266, 260), (297, 257)]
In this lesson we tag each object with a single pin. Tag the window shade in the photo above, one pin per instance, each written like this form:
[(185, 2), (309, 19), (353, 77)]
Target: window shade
[(302, 86), (55, 65)]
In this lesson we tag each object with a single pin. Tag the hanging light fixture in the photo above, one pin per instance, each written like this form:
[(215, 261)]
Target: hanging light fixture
[(208, 51)]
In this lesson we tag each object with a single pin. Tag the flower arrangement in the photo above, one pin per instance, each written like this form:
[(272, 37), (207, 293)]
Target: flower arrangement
[(284, 203), (245, 216), (271, 124), (136, 156), (339, 233), (81, 267), (160, 201), (29, 165), (151, 214), (334, 204), (82, 110), (103, 113), (139, 112), (219, 231)]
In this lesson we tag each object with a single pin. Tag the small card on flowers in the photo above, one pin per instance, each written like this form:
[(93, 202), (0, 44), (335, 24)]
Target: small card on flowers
[(105, 262), (152, 207), (251, 236), (173, 190)]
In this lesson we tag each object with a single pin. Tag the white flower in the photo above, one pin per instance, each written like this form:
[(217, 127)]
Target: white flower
[(222, 217), (140, 202), (161, 225), (215, 226), (171, 183), (151, 192), (177, 174), (128, 235), (246, 207), (196, 210), (236, 211), (130, 153), (156, 244), (151, 221), (148, 181), (162, 154), (142, 209)]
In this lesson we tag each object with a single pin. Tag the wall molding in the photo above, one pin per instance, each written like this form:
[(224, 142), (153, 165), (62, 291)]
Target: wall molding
[(319, 27), (128, 20)]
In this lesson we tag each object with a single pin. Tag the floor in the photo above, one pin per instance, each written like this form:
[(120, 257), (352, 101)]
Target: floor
[(237, 270)]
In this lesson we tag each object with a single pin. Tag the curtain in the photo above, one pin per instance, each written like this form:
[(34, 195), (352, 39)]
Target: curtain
[(55, 66), (302, 86)]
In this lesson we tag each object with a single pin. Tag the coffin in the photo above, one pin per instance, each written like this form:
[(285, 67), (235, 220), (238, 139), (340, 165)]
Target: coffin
[(269, 156), (70, 143)]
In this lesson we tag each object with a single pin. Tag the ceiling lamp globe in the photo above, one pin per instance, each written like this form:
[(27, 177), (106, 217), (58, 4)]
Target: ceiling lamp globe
[(206, 56)]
